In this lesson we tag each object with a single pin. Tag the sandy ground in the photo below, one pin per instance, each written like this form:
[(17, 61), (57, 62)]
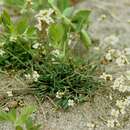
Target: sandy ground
[(97, 109)]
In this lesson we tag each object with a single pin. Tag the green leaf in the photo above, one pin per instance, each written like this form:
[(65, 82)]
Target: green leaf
[(85, 38), (56, 32), (29, 124), (51, 1), (0, 20), (4, 116), (14, 3), (19, 128), (63, 4), (81, 18), (68, 11), (5, 18), (22, 25), (12, 115), (25, 114)]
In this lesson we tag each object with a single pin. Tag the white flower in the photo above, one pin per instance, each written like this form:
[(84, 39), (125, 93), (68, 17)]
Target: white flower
[(122, 104), (2, 52), (13, 38), (122, 60), (112, 39), (29, 2), (28, 76), (73, 39), (106, 77), (59, 94), (122, 111), (39, 25), (123, 88), (44, 16), (111, 123), (119, 84), (108, 56), (36, 45), (96, 48), (90, 125), (115, 113), (9, 93), (35, 76), (1, 44), (70, 102), (6, 109), (102, 17), (56, 52)]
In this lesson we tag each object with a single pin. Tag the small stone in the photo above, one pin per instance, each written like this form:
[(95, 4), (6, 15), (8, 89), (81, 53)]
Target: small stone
[(6, 109), (12, 104)]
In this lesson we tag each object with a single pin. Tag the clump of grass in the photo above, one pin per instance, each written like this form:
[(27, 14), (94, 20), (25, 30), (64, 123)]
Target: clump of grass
[(66, 81)]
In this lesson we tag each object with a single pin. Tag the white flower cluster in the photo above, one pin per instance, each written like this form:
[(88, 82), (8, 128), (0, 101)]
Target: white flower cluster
[(29, 2), (2, 52), (13, 38), (122, 60), (34, 76), (57, 53), (119, 84), (102, 17), (44, 16), (73, 39), (112, 123), (106, 77), (36, 45), (59, 94), (10, 93), (122, 104), (111, 54), (115, 113), (70, 102), (2, 44), (119, 56), (90, 125)]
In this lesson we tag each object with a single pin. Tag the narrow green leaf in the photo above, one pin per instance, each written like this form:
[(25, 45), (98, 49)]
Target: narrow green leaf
[(68, 11), (25, 114), (51, 1), (0, 20), (56, 32), (19, 128), (22, 25), (12, 115), (81, 18), (85, 38), (4, 116), (5, 18), (63, 4)]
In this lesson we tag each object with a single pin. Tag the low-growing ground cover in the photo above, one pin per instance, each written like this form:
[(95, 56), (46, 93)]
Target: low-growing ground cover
[(108, 106), (41, 50)]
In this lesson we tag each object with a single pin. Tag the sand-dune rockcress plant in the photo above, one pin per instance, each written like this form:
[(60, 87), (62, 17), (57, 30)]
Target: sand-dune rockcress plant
[(40, 46)]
